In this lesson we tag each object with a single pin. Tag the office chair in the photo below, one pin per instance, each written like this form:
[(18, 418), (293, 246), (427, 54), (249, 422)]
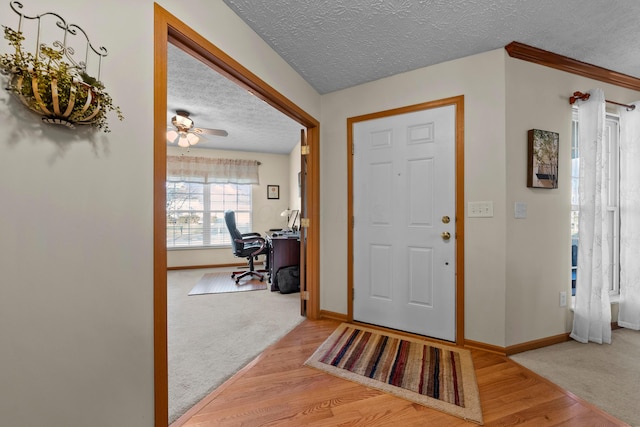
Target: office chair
[(246, 245)]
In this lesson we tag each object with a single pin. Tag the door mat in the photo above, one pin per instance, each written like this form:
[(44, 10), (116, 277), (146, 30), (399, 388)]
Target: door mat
[(219, 283), (433, 375)]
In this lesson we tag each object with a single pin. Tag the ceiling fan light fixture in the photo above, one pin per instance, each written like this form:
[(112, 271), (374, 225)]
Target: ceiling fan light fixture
[(192, 139), (183, 142), (185, 133), (172, 135), (183, 121)]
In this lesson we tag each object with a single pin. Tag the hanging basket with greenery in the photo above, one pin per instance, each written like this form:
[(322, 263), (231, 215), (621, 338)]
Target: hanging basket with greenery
[(62, 93)]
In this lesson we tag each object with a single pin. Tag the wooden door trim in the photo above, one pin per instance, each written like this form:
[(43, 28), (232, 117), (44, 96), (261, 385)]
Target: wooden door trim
[(169, 28), (302, 182), (458, 102)]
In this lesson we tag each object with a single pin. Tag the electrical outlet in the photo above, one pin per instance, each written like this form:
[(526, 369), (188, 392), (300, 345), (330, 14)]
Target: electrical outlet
[(563, 299)]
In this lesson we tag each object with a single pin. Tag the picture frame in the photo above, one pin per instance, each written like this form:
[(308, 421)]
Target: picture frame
[(542, 154), (273, 191)]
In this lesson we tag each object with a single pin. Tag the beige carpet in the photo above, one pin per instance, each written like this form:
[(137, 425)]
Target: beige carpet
[(607, 376), (211, 337), (437, 376)]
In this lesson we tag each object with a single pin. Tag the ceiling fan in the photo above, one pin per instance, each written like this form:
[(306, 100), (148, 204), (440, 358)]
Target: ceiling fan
[(185, 133)]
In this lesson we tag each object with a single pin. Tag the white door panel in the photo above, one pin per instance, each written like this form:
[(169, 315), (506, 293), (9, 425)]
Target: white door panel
[(404, 184)]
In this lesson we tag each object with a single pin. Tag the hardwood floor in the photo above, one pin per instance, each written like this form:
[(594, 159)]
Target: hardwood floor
[(277, 390)]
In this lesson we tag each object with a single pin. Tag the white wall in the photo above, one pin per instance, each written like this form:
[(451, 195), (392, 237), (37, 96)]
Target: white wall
[(76, 212), (480, 79), (274, 170), (514, 269), (76, 217), (539, 247)]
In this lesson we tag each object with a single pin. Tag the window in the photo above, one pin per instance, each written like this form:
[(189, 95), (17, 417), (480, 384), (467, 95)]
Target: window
[(195, 213), (611, 146)]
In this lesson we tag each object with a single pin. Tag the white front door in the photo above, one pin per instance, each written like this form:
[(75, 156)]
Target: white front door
[(404, 222)]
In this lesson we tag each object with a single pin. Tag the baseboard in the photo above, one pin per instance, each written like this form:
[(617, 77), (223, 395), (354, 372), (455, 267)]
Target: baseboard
[(324, 314), (503, 351), (518, 348), (193, 267), (485, 347), (614, 325), (532, 345)]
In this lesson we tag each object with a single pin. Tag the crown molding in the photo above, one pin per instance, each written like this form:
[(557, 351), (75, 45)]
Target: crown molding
[(549, 59)]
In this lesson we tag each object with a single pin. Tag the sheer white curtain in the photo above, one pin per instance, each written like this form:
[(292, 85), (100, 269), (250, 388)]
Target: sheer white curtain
[(212, 170), (629, 314), (592, 314)]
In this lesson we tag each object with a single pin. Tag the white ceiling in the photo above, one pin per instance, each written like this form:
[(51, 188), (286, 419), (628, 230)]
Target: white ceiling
[(336, 44)]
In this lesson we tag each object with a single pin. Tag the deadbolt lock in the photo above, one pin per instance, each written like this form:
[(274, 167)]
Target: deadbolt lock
[(446, 219)]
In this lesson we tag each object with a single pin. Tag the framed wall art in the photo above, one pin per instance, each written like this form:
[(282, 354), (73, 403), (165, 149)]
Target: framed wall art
[(542, 153), (273, 191)]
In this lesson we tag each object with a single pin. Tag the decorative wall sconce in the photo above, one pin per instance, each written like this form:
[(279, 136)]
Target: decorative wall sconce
[(61, 92)]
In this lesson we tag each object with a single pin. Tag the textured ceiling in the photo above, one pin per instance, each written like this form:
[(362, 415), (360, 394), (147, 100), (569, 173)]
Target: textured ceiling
[(218, 103), (335, 44)]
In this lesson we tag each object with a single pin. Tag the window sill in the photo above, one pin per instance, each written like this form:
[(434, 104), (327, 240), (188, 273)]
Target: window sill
[(198, 248)]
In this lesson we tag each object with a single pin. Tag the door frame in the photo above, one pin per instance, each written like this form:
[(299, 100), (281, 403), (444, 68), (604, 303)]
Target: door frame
[(169, 28), (458, 103)]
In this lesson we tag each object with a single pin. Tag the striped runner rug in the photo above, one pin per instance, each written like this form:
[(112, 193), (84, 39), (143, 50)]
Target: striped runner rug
[(434, 375)]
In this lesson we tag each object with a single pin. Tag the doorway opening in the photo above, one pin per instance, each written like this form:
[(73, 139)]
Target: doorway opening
[(168, 28)]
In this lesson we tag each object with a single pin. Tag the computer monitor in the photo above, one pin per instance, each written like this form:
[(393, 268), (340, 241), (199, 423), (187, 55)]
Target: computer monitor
[(293, 217)]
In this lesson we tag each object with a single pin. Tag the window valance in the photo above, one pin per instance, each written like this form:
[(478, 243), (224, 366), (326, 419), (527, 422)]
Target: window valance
[(212, 170)]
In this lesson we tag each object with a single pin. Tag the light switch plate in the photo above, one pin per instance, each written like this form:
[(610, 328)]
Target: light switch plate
[(480, 209), (520, 210)]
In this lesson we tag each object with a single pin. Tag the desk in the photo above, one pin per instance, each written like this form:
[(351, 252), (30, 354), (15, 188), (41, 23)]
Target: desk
[(283, 251)]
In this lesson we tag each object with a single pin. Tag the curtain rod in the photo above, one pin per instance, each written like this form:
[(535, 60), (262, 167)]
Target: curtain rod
[(584, 96)]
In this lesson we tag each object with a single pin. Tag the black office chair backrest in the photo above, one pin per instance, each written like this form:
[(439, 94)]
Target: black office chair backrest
[(230, 220)]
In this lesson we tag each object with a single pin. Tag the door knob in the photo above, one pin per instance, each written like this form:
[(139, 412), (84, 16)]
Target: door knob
[(446, 235)]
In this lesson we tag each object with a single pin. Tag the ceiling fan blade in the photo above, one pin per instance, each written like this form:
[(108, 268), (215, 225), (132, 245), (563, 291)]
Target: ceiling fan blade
[(218, 132), (172, 135)]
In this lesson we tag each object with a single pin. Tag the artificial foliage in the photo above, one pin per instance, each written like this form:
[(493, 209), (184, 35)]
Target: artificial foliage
[(44, 80)]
